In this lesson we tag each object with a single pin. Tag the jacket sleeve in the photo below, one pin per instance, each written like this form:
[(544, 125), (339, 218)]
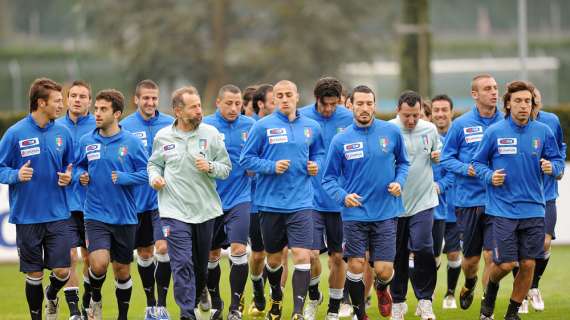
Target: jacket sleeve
[(482, 156), (446, 181), (8, 174), (317, 149), (139, 160), (250, 157), (156, 163), (450, 152), (222, 165), (559, 135), (402, 162), (332, 174), (553, 154), (81, 163)]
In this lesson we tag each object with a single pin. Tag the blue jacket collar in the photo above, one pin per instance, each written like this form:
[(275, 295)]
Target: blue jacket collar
[(368, 129), (516, 126), (149, 121), (478, 115), (79, 120), (35, 124), (97, 136), (219, 116), (285, 118)]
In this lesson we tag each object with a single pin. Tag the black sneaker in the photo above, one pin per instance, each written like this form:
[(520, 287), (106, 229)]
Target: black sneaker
[(275, 309), (513, 316), (219, 307), (466, 297), (487, 309)]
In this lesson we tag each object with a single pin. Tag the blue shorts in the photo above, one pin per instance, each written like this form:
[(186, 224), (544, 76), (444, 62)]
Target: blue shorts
[(255, 239), (149, 229), (550, 218), (118, 239), (232, 226), (281, 229), (517, 239), (477, 230), (378, 237), (438, 233), (44, 245), (327, 231), (452, 238), (77, 226)]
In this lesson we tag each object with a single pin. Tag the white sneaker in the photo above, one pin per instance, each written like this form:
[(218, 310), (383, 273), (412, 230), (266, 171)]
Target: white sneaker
[(536, 299), (523, 309), (75, 317), (332, 316), (150, 313), (52, 307), (449, 302), (425, 310), (345, 310), (95, 310), (162, 313), (399, 310), (311, 308)]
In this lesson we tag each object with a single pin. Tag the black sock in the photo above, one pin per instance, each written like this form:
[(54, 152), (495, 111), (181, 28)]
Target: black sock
[(300, 282), (162, 277), (345, 294), (513, 307), (470, 282), (35, 297), (491, 296), (72, 298), (452, 278), (274, 278), (123, 292), (257, 285), (355, 287), (55, 285), (335, 298), (538, 271), (238, 278), (213, 283), (146, 271), (515, 271), (96, 285), (86, 298), (314, 293)]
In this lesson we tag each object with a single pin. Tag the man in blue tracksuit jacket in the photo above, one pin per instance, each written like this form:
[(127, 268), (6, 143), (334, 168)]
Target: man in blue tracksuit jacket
[(153, 267), (550, 195), (232, 228), (327, 222), (115, 162), (445, 225), (36, 157), (366, 168), (511, 161), (285, 149), (463, 138), (79, 122)]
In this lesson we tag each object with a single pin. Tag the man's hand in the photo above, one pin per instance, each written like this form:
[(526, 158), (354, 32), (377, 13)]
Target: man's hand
[(26, 172), (395, 189), (84, 178), (435, 155), (281, 166), (546, 166), (351, 200), (202, 164), (437, 189), (114, 177), (471, 171), (312, 168), (65, 177), (498, 178), (158, 183)]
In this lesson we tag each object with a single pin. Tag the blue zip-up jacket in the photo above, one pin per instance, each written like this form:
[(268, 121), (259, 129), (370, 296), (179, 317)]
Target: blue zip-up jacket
[(461, 142), (552, 121), (365, 161), (517, 150), (145, 130), (444, 180), (50, 150), (276, 138), (236, 188), (84, 125), (330, 126), (123, 153)]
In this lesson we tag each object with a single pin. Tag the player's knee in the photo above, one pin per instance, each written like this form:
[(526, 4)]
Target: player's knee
[(527, 264), (315, 257), (238, 249), (384, 271), (215, 255), (274, 260), (61, 273), (145, 253), (257, 258), (453, 256), (161, 247), (301, 256), (35, 274), (356, 265), (335, 260), (507, 266)]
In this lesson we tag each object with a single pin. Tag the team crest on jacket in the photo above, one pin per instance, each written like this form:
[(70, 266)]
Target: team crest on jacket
[(308, 132), (384, 144), (166, 231), (535, 145), (203, 144), (340, 130), (58, 143), (123, 150), (244, 136)]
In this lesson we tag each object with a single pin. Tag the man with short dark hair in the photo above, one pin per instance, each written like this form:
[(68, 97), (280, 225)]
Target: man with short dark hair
[(36, 157), (513, 157), (79, 122), (414, 251), (111, 163), (153, 262), (327, 221)]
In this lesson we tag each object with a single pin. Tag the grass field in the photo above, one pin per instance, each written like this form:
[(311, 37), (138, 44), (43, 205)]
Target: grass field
[(554, 287)]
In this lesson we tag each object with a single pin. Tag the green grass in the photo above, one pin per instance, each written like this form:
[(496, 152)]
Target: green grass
[(553, 286)]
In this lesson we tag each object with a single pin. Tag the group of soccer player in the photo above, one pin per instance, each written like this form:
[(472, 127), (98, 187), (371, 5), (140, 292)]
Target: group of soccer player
[(382, 198)]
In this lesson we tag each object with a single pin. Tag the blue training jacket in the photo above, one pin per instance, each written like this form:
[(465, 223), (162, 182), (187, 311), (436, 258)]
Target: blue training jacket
[(276, 138), (552, 121), (444, 180), (330, 126), (365, 161), (461, 142), (517, 150), (236, 188), (50, 150), (123, 153), (84, 125), (145, 196)]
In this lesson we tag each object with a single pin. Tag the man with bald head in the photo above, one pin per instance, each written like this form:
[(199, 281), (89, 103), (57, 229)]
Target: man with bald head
[(285, 149)]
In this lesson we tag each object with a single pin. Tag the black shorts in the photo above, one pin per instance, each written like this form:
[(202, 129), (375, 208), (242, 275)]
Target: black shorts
[(452, 238), (327, 231), (550, 218), (77, 226), (477, 231), (118, 239), (281, 229), (149, 229), (438, 234), (517, 239), (44, 245), (255, 239), (232, 226)]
